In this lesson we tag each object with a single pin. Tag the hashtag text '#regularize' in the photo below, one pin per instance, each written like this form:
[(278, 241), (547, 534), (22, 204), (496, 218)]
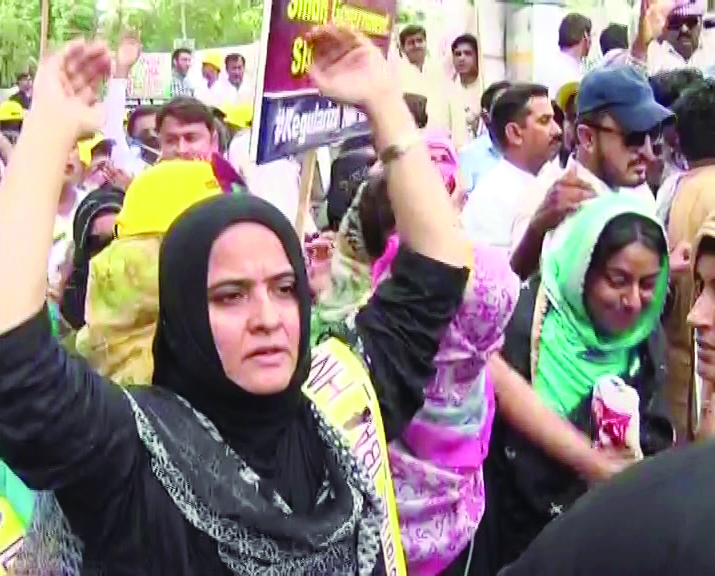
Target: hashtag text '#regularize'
[(292, 126)]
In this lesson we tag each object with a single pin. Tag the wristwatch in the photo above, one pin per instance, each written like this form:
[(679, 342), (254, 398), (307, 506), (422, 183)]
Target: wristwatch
[(394, 151)]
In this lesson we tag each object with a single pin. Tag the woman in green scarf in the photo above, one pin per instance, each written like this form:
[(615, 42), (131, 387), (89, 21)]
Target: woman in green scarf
[(594, 312)]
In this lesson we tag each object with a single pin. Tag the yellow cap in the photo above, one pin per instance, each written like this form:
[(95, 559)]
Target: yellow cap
[(212, 59), (565, 93), (160, 193), (85, 148), (11, 111), (238, 115)]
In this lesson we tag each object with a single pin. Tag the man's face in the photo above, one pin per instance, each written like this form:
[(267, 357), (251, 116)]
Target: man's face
[(74, 171), (25, 84), (144, 126), (182, 63), (464, 59), (540, 135), (415, 49), (621, 159), (683, 34), (702, 314), (186, 141), (209, 73), (235, 70)]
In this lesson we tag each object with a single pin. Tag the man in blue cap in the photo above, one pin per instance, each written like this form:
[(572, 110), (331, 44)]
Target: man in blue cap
[(619, 128)]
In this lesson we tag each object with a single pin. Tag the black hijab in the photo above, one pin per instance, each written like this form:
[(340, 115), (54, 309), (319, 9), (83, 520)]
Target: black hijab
[(104, 200), (276, 433)]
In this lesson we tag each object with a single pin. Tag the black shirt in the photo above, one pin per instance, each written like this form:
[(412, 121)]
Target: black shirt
[(655, 519), (65, 428), (21, 98)]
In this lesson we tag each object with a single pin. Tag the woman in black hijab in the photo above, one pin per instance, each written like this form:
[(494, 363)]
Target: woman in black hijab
[(222, 467), (88, 242), (272, 432)]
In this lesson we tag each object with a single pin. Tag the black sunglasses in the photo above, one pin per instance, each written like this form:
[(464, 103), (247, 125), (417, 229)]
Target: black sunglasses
[(676, 22), (633, 139)]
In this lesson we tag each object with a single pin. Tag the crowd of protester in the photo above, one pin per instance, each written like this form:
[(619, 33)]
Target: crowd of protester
[(487, 347)]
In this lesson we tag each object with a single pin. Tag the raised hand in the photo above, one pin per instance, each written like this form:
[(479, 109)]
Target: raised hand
[(562, 199), (128, 53), (652, 20), (348, 67), (67, 86)]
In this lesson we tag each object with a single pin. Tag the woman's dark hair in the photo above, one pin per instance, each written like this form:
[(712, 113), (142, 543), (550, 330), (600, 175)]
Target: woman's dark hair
[(417, 105), (623, 230), (706, 246), (376, 217)]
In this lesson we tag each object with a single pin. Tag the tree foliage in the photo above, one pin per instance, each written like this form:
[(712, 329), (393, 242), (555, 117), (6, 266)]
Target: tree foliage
[(211, 23)]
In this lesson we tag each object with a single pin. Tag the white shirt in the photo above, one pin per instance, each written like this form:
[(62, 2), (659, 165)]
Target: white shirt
[(662, 57), (471, 96), (221, 92), (526, 210), (123, 157), (492, 208), (445, 105), (62, 239), (563, 69)]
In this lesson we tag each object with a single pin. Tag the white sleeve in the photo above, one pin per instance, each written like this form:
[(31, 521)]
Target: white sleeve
[(468, 216), (115, 102)]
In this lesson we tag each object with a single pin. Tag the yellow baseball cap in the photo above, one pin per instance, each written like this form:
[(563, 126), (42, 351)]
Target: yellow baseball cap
[(212, 59), (158, 195), (565, 93), (238, 115), (11, 111), (86, 146)]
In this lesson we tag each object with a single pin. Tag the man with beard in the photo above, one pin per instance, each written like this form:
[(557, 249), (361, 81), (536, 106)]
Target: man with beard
[(681, 44), (523, 128), (180, 65), (618, 123)]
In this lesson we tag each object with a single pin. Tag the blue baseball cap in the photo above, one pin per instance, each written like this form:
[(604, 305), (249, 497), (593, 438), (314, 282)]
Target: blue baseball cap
[(624, 94)]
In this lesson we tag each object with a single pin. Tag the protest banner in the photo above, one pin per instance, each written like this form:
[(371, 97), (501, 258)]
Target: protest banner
[(150, 76), (289, 114)]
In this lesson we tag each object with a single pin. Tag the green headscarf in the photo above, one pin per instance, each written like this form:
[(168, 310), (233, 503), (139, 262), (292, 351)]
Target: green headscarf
[(571, 353)]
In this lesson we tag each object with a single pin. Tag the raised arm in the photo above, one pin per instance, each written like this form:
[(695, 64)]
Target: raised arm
[(116, 100), (402, 325), (352, 70), (60, 423)]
